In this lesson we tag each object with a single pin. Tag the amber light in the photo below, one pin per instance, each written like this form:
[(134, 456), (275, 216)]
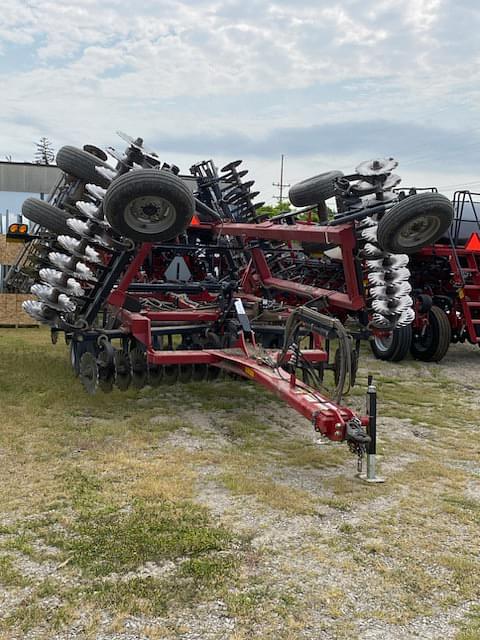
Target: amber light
[(18, 228)]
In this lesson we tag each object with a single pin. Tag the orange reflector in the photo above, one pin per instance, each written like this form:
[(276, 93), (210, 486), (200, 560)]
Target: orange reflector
[(473, 243), (194, 222), (23, 228), (13, 228)]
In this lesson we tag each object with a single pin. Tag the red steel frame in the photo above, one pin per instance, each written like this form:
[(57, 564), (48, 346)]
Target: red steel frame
[(468, 294), (327, 417), (342, 235)]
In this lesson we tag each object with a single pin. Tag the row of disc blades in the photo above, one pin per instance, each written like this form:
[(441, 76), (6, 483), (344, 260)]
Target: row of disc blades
[(73, 261), (106, 367)]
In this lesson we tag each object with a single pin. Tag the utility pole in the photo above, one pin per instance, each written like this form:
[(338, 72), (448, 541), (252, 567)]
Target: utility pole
[(280, 184)]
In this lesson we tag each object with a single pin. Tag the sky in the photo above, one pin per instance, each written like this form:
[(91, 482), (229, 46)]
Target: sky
[(327, 84)]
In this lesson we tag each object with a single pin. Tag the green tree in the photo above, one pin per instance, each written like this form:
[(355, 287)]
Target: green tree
[(274, 209)]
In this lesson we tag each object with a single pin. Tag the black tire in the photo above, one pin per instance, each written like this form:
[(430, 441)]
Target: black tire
[(433, 344), (47, 216), (415, 222), (132, 200), (314, 190), (395, 347), (95, 151), (424, 302), (81, 164)]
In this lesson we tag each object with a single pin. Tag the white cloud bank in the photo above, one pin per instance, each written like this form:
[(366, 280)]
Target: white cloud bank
[(252, 73)]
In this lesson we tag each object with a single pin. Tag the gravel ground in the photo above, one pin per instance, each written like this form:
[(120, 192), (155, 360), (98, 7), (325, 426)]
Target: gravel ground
[(328, 557)]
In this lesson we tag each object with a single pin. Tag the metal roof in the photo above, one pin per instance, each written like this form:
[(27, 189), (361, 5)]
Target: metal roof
[(28, 177)]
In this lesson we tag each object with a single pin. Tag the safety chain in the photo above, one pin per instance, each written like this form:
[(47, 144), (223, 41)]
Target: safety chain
[(357, 440)]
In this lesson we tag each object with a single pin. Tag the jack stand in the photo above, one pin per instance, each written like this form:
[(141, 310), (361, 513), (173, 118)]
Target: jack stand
[(371, 477)]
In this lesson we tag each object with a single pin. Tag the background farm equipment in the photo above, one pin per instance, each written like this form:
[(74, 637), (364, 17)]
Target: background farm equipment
[(446, 283)]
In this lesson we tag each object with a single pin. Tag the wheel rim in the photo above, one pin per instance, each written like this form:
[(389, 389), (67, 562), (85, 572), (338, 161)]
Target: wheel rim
[(419, 231), (150, 214), (383, 343)]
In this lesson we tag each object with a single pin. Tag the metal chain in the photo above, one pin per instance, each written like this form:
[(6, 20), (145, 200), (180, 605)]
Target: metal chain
[(357, 440)]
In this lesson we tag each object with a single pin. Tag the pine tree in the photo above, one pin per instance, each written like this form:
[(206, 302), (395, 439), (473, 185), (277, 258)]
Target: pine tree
[(45, 153)]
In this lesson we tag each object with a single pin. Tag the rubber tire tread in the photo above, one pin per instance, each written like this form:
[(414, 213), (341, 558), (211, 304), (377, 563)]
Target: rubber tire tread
[(442, 336), (314, 190), (81, 164), (47, 216), (407, 210), (144, 182), (402, 339)]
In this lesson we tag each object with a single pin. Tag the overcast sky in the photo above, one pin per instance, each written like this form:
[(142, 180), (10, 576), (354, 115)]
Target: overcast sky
[(328, 84)]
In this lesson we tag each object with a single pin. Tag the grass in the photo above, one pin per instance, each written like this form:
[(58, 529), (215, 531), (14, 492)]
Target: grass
[(10, 576), (106, 496), (470, 628), (111, 539)]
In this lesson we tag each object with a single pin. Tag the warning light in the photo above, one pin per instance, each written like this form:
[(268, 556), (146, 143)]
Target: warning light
[(18, 228), (18, 232), (473, 243)]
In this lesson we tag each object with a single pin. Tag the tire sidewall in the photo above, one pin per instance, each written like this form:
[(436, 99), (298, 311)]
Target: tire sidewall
[(121, 194), (440, 335), (405, 212), (399, 347)]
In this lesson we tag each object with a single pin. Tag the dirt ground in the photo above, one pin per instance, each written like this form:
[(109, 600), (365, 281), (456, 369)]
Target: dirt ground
[(212, 511)]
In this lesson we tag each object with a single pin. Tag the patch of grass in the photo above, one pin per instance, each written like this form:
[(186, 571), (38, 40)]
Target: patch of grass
[(43, 607), (246, 426), (470, 627), (296, 452), (258, 603), (336, 502), (193, 580), (137, 596), (274, 494), (248, 602), (7, 529), (107, 539), (465, 509), (10, 576), (22, 543), (465, 571)]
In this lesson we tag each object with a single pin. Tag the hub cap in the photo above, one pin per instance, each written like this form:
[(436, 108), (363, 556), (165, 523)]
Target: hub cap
[(150, 214), (419, 231)]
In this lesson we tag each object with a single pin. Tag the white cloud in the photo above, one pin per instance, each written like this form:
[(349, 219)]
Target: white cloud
[(206, 68)]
